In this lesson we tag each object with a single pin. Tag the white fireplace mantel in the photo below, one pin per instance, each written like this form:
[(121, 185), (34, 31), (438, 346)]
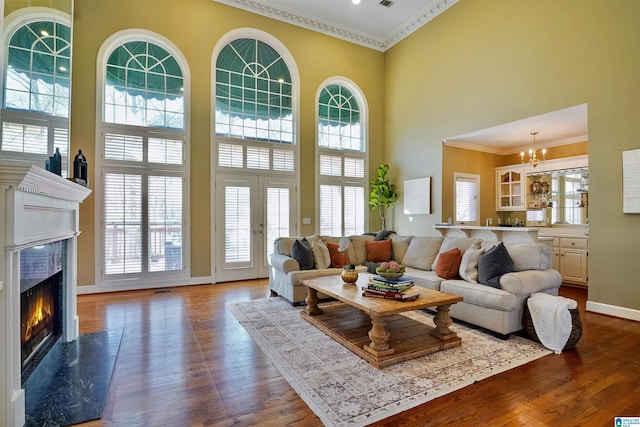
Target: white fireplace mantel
[(38, 207)]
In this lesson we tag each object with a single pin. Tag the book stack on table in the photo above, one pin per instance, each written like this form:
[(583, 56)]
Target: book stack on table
[(398, 289)]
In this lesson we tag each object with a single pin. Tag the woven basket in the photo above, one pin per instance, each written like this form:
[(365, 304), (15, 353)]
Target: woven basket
[(576, 327)]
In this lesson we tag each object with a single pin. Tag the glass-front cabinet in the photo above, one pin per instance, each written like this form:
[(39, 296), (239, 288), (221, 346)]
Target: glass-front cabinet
[(557, 197), (510, 188)]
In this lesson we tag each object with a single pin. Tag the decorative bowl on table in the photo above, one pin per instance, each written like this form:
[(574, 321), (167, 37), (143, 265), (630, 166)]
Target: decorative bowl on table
[(390, 275)]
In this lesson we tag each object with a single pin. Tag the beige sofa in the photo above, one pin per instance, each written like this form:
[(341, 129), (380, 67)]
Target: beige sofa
[(497, 309)]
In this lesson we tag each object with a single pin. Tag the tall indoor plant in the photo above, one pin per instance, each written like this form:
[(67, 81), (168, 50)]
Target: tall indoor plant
[(383, 193)]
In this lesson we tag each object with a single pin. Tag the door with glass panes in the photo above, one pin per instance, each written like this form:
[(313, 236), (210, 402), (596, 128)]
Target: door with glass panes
[(251, 212)]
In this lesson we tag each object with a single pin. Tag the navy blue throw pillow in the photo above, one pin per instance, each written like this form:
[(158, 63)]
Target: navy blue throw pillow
[(493, 264), (301, 252)]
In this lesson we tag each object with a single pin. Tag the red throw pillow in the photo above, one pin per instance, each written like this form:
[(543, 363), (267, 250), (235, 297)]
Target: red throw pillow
[(338, 259), (378, 251), (449, 264)]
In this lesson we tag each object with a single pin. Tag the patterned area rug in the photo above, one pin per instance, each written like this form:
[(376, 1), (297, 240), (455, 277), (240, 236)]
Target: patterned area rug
[(344, 390)]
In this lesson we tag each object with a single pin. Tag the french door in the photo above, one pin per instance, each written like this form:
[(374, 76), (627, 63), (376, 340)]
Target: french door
[(251, 211)]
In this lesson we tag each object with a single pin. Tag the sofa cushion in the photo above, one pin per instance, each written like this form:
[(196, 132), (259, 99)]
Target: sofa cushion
[(320, 251), (358, 250), (338, 259), (462, 243), (301, 252), (493, 264), (530, 256), (422, 252), (378, 251), (484, 296), (469, 263), (449, 264), (283, 245), (399, 245)]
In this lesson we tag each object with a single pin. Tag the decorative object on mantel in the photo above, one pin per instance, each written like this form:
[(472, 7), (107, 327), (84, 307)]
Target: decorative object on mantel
[(54, 164), (533, 158), (383, 194), (80, 169)]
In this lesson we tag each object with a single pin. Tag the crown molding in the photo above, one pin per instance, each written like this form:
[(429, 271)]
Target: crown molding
[(487, 148), (433, 9)]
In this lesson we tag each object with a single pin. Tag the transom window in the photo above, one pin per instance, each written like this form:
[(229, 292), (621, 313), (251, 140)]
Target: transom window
[(253, 93), (143, 163), (35, 116), (342, 161)]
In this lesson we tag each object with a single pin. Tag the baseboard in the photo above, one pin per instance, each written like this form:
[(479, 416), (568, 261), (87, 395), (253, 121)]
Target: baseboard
[(136, 285), (612, 310)]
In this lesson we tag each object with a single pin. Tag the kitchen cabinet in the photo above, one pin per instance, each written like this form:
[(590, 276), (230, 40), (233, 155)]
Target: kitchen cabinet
[(510, 188), (570, 258)]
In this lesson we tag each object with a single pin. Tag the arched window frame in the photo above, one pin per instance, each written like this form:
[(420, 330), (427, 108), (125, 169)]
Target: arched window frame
[(52, 130), (342, 171), (233, 154), (150, 168)]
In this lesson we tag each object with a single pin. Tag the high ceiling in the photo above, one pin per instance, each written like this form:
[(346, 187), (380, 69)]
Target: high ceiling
[(378, 24)]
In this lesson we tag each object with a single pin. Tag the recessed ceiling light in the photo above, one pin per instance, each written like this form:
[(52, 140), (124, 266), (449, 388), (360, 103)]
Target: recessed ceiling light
[(355, 1)]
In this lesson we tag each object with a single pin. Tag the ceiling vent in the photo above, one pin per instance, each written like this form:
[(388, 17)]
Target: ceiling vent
[(386, 3)]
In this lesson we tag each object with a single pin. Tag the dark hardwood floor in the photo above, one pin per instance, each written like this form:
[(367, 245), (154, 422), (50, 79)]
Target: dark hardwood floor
[(184, 360)]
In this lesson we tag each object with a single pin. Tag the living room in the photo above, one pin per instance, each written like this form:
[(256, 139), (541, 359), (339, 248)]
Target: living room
[(474, 66)]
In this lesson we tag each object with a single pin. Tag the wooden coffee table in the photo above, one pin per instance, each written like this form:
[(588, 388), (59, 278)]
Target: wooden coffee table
[(373, 328)]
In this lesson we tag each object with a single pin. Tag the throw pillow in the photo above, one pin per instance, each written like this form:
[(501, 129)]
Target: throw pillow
[(449, 264), (399, 245), (338, 259), (493, 264), (462, 243), (421, 252), (321, 254), (379, 251), (469, 264), (301, 252)]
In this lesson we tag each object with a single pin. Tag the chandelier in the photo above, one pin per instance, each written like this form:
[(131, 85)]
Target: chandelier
[(533, 158)]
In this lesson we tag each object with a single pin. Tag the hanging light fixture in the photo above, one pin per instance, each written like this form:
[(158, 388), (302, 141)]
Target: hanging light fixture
[(533, 158)]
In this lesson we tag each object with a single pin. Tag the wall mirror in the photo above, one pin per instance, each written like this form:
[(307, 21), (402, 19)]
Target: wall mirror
[(35, 76)]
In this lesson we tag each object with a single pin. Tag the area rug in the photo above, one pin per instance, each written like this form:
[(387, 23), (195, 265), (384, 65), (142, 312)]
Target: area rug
[(71, 383), (344, 390)]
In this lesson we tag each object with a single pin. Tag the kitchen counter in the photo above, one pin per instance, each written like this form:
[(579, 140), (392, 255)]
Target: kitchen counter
[(504, 234)]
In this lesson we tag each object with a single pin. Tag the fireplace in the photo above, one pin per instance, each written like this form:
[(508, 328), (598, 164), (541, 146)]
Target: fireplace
[(40, 321), (39, 225)]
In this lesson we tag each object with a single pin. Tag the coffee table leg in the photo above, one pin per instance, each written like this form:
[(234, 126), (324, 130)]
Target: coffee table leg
[(312, 302), (443, 321), (379, 335)]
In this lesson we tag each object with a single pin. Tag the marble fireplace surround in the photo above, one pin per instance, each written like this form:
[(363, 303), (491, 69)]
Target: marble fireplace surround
[(38, 207)]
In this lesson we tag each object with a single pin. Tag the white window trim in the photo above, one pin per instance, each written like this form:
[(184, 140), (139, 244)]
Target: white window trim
[(151, 278), (468, 177), (341, 180)]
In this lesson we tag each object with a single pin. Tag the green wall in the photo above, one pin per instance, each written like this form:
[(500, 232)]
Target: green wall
[(484, 63), (195, 26)]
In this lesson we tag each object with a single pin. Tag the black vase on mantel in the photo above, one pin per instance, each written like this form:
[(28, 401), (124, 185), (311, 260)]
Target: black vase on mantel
[(80, 172)]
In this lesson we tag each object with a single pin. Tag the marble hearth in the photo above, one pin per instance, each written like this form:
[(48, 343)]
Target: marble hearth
[(38, 208)]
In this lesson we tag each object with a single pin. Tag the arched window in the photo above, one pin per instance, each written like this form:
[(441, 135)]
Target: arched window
[(35, 107), (142, 157), (342, 159), (253, 92)]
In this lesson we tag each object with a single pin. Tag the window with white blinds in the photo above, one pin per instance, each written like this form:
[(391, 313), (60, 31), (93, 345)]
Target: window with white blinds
[(342, 161), (143, 163), (35, 108), (278, 209), (256, 156), (467, 198), (237, 224)]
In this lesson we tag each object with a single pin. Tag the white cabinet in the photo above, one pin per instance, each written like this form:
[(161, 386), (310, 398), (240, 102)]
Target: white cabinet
[(570, 258), (510, 188)]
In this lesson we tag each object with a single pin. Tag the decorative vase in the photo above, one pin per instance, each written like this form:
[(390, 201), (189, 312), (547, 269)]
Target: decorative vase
[(349, 276)]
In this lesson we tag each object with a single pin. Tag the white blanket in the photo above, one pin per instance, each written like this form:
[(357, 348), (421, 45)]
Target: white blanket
[(551, 319)]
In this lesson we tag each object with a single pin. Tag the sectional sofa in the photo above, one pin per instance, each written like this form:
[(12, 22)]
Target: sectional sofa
[(498, 308)]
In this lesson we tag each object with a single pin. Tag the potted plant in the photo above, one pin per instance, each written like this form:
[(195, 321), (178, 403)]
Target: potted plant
[(383, 193)]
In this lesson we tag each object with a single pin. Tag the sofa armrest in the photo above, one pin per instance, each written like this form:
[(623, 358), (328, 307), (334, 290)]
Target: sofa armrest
[(283, 263), (528, 282)]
